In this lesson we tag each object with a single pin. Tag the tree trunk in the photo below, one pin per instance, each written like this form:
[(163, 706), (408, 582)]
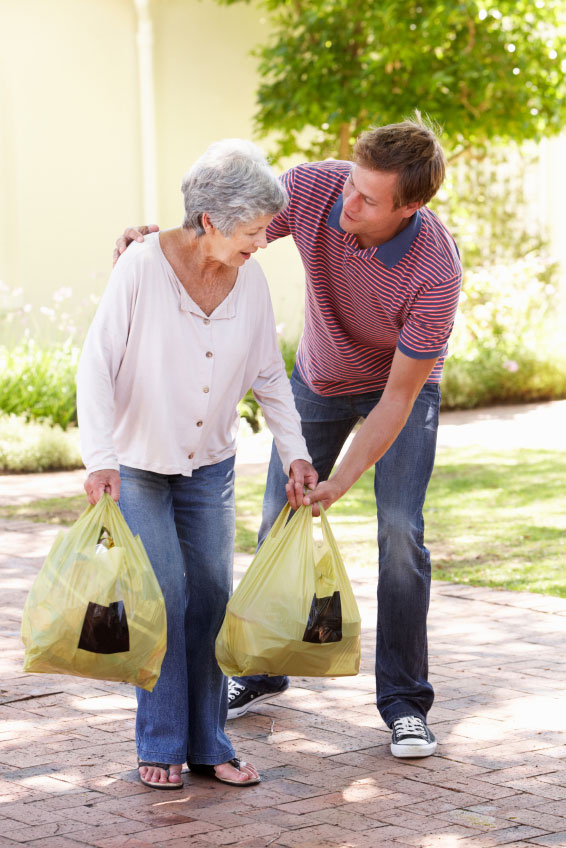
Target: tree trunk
[(344, 141)]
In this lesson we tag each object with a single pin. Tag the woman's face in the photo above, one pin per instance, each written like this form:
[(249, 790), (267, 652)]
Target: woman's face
[(234, 250)]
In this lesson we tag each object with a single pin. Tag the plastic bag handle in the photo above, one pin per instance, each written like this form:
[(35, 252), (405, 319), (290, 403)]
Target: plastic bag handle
[(323, 518), (280, 521)]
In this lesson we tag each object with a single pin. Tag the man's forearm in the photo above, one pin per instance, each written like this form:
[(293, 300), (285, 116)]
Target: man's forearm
[(375, 436), (379, 430)]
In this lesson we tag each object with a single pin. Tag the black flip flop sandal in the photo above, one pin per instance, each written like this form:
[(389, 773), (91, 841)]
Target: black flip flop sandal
[(165, 767), (208, 771)]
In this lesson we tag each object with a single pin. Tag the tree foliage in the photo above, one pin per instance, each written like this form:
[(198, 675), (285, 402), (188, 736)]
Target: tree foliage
[(484, 72)]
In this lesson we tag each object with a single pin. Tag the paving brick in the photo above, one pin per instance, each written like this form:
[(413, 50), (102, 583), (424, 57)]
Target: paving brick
[(331, 835), (234, 835), (30, 813), (55, 842), (555, 839), (67, 753), (127, 842), (484, 842), (440, 836), (508, 836), (539, 787), (309, 805), (555, 808), (476, 819), (546, 821), (177, 831), (408, 818), (28, 833)]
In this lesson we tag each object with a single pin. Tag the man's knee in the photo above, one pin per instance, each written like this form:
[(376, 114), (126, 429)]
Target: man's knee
[(401, 545)]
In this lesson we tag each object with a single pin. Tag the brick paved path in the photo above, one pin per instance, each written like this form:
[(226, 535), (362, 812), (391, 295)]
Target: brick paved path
[(67, 755)]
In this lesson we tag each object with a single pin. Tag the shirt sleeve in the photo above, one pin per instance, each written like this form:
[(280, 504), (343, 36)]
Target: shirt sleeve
[(272, 390), (428, 327), (280, 226), (99, 365)]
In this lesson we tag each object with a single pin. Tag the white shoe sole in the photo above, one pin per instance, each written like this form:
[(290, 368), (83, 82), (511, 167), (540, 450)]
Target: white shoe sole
[(413, 751), (237, 712)]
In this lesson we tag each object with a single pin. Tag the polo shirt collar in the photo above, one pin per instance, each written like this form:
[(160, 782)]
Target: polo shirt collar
[(390, 252)]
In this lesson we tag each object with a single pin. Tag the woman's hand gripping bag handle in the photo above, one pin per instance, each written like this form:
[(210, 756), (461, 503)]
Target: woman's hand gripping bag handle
[(96, 609), (294, 611)]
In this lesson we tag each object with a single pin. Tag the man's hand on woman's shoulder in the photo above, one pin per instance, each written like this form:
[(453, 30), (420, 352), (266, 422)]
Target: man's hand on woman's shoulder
[(131, 234)]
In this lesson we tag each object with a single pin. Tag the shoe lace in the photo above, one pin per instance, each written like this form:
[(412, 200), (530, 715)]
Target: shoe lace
[(234, 689), (411, 726)]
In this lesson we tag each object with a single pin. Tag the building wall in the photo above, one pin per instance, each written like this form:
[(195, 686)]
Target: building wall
[(206, 81), (71, 166), (71, 153), (69, 141)]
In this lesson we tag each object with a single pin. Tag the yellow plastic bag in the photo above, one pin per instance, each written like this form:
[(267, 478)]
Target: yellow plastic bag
[(294, 611), (96, 608)]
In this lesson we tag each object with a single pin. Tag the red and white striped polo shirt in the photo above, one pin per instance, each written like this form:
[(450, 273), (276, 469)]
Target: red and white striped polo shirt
[(363, 303)]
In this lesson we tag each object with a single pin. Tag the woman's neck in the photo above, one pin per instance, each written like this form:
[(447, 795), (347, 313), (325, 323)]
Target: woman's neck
[(191, 251), (207, 280)]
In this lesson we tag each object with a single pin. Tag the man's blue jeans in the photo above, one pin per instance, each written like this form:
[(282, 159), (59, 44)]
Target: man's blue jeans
[(401, 480), (187, 527)]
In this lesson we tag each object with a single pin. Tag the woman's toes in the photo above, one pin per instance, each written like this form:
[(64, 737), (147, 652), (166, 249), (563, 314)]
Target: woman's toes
[(249, 770), (228, 772), (175, 774), (158, 775)]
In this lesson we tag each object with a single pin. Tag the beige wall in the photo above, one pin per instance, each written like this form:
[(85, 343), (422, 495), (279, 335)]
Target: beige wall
[(69, 139), (71, 167), (206, 81)]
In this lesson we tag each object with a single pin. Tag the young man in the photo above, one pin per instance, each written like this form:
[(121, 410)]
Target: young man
[(382, 283)]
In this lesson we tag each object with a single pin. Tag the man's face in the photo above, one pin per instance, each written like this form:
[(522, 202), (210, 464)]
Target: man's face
[(368, 211)]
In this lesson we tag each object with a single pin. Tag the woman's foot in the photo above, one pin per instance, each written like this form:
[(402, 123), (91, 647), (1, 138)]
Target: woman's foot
[(235, 772), (156, 775), (246, 772)]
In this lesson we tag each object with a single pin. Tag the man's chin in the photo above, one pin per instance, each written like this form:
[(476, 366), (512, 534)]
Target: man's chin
[(347, 224)]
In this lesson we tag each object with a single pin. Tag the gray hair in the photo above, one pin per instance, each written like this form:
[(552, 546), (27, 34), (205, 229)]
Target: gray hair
[(233, 183)]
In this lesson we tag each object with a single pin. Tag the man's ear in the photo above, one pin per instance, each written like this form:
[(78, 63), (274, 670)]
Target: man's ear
[(411, 208)]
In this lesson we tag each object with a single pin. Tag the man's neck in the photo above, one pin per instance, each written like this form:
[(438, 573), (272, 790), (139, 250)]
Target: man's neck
[(366, 240)]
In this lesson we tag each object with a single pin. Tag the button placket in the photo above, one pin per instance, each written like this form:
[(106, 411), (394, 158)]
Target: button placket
[(205, 389)]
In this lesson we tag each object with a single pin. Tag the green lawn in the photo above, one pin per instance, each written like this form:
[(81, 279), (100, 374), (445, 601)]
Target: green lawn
[(493, 518)]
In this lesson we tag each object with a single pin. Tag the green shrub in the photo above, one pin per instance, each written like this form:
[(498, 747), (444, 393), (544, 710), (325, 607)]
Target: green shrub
[(507, 346), (39, 382), (489, 379), (36, 446)]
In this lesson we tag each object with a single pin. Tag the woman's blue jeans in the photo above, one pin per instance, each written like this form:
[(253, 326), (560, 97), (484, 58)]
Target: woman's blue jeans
[(401, 479), (187, 527)]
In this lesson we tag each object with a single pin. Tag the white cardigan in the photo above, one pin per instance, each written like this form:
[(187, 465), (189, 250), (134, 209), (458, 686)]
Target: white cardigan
[(159, 380)]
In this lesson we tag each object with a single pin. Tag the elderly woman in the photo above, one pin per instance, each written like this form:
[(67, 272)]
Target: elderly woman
[(184, 329)]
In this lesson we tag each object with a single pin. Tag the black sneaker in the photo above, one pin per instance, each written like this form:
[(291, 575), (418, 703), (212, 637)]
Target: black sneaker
[(240, 698), (412, 738)]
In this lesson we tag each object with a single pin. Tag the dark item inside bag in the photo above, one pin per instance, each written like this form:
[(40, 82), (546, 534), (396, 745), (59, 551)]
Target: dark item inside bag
[(105, 629), (325, 620)]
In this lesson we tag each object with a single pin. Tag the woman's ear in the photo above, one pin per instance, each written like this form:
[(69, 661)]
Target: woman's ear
[(206, 223)]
